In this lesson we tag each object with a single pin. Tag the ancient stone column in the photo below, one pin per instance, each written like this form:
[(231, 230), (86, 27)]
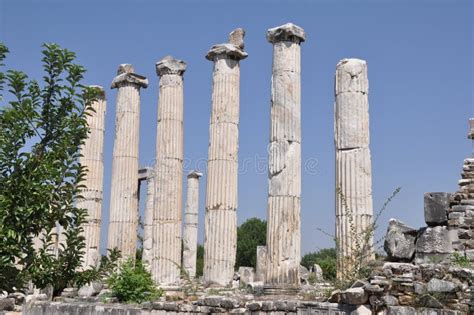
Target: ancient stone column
[(353, 165), (190, 233), (284, 193), (261, 263), (93, 159), (168, 172), (221, 194), (147, 253), (124, 190)]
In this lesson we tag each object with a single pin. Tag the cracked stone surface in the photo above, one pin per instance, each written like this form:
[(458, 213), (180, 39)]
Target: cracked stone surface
[(284, 182), (124, 189), (353, 159), (168, 172), (220, 226)]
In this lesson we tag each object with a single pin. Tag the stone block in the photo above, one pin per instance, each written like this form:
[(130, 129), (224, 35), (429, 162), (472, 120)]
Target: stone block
[(355, 296), (438, 239), (442, 286), (7, 304), (247, 274), (436, 207), (400, 241), (401, 310)]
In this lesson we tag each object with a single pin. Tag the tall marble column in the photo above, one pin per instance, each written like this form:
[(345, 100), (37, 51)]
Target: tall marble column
[(221, 194), (168, 172), (147, 253), (190, 233), (93, 159), (353, 164), (124, 191), (284, 193)]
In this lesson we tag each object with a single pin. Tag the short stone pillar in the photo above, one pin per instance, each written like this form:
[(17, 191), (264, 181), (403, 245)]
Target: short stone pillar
[(190, 233), (261, 263), (221, 196), (124, 195), (284, 193), (168, 172), (353, 165), (93, 159), (147, 253)]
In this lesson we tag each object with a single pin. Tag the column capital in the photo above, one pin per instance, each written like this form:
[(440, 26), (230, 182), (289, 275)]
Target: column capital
[(99, 90), (126, 74), (195, 174), (228, 51), (170, 65), (286, 32)]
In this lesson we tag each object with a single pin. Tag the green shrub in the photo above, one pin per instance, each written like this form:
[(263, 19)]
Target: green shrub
[(461, 260), (250, 234), (133, 283), (325, 258), (200, 260)]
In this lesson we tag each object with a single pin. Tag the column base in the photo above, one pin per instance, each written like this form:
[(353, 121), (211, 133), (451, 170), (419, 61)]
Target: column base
[(280, 290)]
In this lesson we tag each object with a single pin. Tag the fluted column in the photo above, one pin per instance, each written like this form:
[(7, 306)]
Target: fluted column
[(221, 194), (353, 165), (124, 191), (168, 172), (93, 159), (147, 254), (190, 232), (283, 227)]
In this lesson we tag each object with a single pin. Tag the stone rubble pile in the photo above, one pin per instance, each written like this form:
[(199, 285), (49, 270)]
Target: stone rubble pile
[(396, 287)]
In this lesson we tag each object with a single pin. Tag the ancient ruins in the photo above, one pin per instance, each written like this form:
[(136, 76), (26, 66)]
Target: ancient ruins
[(353, 164), (422, 273)]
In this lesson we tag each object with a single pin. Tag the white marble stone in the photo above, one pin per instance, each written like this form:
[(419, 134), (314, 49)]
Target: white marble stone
[(124, 182), (221, 192), (93, 159), (284, 192), (168, 173), (353, 164), (190, 233)]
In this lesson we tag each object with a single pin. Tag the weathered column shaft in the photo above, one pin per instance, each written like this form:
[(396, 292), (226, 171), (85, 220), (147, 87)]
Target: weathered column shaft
[(147, 255), (123, 197), (190, 233), (283, 227), (353, 165), (221, 196), (168, 172), (93, 159), (261, 263)]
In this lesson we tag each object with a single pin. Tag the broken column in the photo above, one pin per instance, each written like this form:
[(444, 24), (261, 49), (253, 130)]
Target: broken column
[(168, 172), (147, 250), (221, 196), (190, 233), (93, 159), (283, 227), (353, 165), (124, 194), (261, 262)]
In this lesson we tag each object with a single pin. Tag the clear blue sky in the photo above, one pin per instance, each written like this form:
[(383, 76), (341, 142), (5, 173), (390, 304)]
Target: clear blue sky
[(420, 59)]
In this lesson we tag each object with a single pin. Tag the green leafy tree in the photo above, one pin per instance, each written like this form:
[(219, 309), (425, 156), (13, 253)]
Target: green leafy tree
[(133, 283), (325, 258), (42, 127), (250, 234), (200, 261)]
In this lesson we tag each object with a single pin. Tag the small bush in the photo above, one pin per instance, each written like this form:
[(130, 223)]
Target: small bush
[(133, 283), (461, 260)]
